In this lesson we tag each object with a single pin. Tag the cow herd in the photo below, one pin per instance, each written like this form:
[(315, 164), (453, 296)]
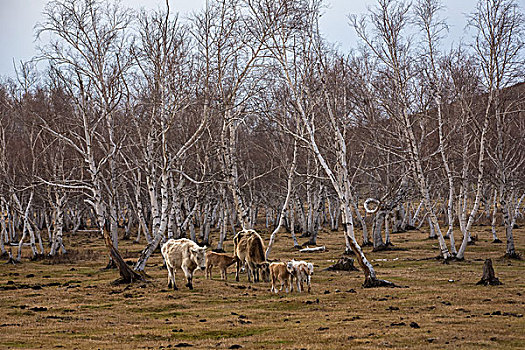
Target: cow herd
[(248, 247)]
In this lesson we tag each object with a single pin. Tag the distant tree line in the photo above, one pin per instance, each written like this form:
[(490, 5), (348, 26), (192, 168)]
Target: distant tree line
[(245, 112)]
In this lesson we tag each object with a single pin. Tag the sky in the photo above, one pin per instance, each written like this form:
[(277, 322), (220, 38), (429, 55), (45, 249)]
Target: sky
[(18, 18)]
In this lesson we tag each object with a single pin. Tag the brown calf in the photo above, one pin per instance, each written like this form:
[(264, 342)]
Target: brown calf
[(221, 260), (279, 271)]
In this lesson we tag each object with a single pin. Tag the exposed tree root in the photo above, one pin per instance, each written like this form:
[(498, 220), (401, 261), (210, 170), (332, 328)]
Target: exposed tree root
[(380, 248), (11, 260), (387, 247), (111, 265), (513, 256), (456, 259), (375, 283), (143, 279), (348, 251), (310, 242), (343, 264), (37, 257)]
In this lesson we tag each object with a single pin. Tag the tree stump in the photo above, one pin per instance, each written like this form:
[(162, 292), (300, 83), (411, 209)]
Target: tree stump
[(343, 264), (489, 277)]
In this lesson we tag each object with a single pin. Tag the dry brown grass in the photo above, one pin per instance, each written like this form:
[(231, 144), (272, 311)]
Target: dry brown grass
[(72, 304)]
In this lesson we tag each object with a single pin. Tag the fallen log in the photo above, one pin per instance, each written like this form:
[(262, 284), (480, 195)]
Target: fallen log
[(311, 250)]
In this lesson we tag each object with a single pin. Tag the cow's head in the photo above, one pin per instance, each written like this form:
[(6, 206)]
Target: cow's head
[(310, 268), (198, 256), (290, 267), (265, 271), (304, 274)]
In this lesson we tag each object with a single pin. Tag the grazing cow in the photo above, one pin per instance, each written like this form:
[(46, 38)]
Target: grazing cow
[(249, 250), (220, 260), (185, 255), (280, 271), (302, 272)]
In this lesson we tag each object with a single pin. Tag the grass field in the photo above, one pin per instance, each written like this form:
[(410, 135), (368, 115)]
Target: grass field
[(71, 303)]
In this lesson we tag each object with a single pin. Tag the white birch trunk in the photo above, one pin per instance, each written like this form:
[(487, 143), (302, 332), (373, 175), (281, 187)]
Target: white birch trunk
[(4, 235), (57, 243), (289, 186), (495, 238), (26, 228), (479, 183), (387, 230)]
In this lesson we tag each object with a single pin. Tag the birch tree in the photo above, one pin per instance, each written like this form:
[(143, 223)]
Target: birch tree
[(164, 61), (295, 45), (89, 60), (499, 46), (427, 14), (226, 33), (387, 43)]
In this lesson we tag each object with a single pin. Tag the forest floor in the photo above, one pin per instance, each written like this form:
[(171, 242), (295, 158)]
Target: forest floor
[(70, 302)]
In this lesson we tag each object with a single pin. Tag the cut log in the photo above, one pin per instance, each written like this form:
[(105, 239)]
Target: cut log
[(311, 250), (343, 264), (489, 277)]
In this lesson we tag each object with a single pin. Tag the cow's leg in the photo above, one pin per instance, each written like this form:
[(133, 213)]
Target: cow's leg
[(248, 271), (273, 278), (171, 275), (256, 273), (224, 276), (237, 266), (189, 277), (208, 272)]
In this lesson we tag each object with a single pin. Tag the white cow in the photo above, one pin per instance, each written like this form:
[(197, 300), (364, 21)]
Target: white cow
[(302, 273), (183, 254)]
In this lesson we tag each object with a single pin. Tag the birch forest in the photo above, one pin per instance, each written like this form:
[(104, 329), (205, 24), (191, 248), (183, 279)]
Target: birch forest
[(130, 128)]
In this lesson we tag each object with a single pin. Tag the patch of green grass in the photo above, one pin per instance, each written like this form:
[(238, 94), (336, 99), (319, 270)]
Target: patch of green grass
[(284, 306), (15, 344), (96, 306), (21, 313), (223, 333), (158, 309), (164, 315), (276, 342)]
